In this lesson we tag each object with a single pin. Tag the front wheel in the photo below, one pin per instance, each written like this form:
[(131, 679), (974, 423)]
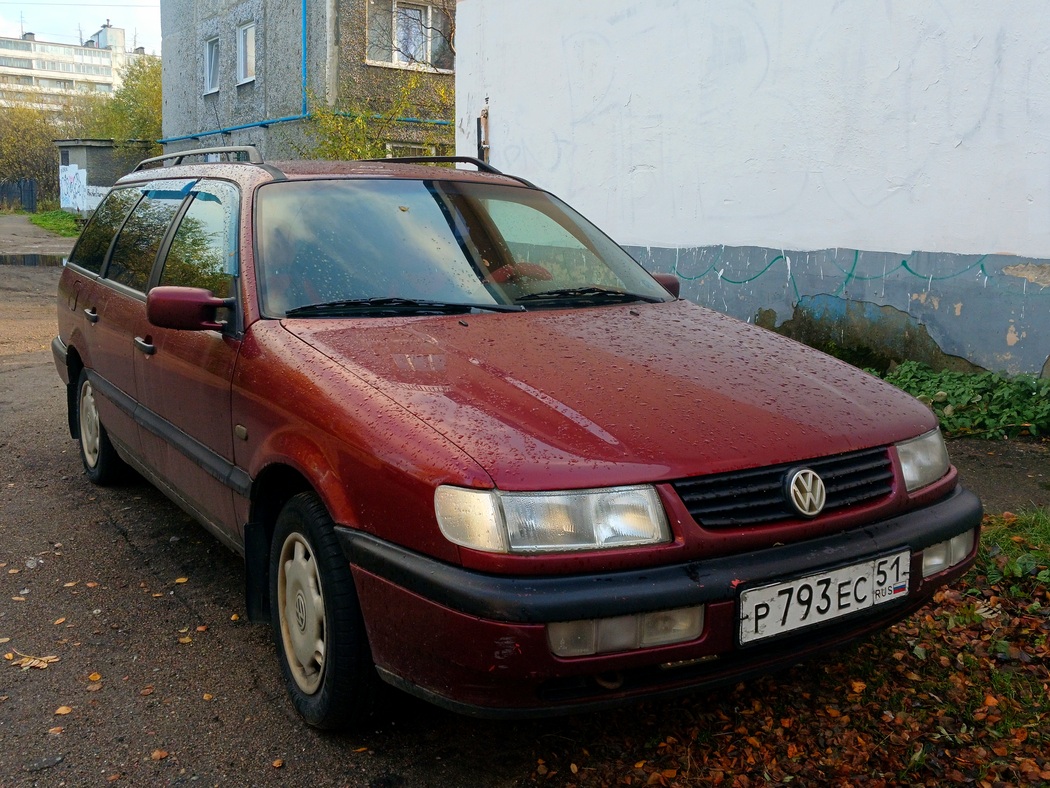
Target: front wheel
[(102, 464), (318, 628)]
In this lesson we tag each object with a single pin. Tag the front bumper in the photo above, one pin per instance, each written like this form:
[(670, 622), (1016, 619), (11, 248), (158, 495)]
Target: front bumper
[(477, 642)]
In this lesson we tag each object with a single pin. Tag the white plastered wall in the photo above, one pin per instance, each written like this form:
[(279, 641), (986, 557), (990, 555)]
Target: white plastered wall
[(884, 125)]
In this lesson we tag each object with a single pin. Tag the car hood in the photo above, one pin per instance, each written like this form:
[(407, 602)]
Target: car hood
[(617, 395)]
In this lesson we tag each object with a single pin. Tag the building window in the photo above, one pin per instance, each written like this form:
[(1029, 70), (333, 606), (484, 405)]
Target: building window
[(246, 53), (412, 34), (396, 149), (211, 65)]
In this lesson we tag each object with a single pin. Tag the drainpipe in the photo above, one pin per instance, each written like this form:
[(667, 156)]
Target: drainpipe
[(304, 110)]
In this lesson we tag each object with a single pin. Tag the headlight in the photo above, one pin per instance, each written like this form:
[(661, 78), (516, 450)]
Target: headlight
[(502, 522), (924, 460)]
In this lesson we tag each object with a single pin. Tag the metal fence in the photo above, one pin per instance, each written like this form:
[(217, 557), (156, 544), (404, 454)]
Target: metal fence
[(19, 194)]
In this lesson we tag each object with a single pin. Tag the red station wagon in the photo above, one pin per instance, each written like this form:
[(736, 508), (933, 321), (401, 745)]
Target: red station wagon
[(470, 447)]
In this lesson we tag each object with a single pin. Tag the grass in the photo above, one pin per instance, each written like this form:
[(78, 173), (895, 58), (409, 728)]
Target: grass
[(59, 222)]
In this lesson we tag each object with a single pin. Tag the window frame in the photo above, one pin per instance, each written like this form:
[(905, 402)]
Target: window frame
[(211, 66), (390, 39), (243, 60)]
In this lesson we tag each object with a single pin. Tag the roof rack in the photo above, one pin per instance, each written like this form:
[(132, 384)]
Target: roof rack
[(483, 166), (247, 153)]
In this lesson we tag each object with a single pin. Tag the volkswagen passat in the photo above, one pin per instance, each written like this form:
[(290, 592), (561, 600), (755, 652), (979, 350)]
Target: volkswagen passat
[(469, 447)]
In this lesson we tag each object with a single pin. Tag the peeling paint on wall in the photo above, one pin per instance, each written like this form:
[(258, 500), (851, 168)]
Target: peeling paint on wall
[(1034, 273)]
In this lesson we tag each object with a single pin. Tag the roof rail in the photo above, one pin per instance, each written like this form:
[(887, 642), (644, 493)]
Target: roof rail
[(483, 166), (247, 153)]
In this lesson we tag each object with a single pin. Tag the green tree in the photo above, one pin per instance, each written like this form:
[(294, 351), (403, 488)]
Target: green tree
[(135, 108), (131, 113), (27, 148), (363, 132)]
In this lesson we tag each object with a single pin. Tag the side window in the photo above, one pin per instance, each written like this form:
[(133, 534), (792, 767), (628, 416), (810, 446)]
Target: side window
[(91, 249), (136, 249), (203, 252)]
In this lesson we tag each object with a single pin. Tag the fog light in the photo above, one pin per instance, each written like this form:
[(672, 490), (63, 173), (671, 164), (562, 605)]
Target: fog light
[(672, 626), (625, 633), (573, 638), (943, 555)]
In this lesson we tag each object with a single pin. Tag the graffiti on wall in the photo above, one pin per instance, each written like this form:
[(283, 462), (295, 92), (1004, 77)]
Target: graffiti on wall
[(990, 309), (74, 192)]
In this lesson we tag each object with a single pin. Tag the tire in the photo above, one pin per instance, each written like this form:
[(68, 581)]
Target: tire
[(318, 629), (102, 464)]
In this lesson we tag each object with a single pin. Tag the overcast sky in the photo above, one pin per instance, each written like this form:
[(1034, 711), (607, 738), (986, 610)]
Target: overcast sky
[(73, 21)]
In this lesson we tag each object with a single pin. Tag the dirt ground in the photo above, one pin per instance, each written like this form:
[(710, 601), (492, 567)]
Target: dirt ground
[(1007, 475)]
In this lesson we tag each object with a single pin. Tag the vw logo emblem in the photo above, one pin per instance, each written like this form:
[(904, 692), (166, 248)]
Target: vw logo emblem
[(300, 612), (806, 492)]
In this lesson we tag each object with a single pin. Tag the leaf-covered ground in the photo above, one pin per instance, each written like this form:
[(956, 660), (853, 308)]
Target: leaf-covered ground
[(957, 694)]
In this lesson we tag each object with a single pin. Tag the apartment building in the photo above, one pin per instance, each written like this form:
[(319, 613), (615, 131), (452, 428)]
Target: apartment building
[(47, 75)]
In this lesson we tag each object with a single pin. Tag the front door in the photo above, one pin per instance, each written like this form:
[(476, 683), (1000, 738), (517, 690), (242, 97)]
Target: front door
[(183, 377)]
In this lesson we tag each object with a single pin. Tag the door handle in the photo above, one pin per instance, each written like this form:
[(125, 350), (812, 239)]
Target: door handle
[(92, 314), (145, 346)]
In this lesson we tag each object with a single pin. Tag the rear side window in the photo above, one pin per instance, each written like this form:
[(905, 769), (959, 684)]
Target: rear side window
[(91, 249), (136, 248), (203, 252)]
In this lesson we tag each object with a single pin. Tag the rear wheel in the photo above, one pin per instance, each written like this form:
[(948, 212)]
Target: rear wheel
[(318, 629), (102, 464)]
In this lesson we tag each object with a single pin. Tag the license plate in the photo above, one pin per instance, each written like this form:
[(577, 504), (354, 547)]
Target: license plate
[(777, 608)]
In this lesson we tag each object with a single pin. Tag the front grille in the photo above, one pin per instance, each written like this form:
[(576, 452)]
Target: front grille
[(755, 496)]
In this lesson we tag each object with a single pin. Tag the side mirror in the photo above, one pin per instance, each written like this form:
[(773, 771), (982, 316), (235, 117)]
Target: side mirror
[(185, 308), (670, 283)]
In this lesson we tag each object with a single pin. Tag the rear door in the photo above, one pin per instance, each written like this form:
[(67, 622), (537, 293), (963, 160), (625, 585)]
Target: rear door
[(183, 377)]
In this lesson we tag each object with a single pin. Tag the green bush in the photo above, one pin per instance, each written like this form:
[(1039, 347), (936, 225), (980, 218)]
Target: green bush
[(984, 404)]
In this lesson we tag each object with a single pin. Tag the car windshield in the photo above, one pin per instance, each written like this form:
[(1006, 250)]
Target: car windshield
[(381, 247)]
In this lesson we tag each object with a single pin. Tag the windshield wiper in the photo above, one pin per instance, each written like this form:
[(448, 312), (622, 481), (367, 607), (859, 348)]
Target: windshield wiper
[(393, 305), (589, 295)]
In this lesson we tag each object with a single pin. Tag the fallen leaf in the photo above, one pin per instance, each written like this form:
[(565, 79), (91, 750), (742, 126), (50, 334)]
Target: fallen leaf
[(278, 763), (208, 696), (91, 584), (95, 677), (59, 621), (235, 617), (13, 571), (70, 584), (56, 730), (202, 628), (361, 749), (113, 777), (991, 700), (858, 686), (159, 755), (95, 687), (146, 691), (9, 655), (574, 768), (4, 640), (63, 710), (181, 580), (18, 599), (186, 639), (27, 661)]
